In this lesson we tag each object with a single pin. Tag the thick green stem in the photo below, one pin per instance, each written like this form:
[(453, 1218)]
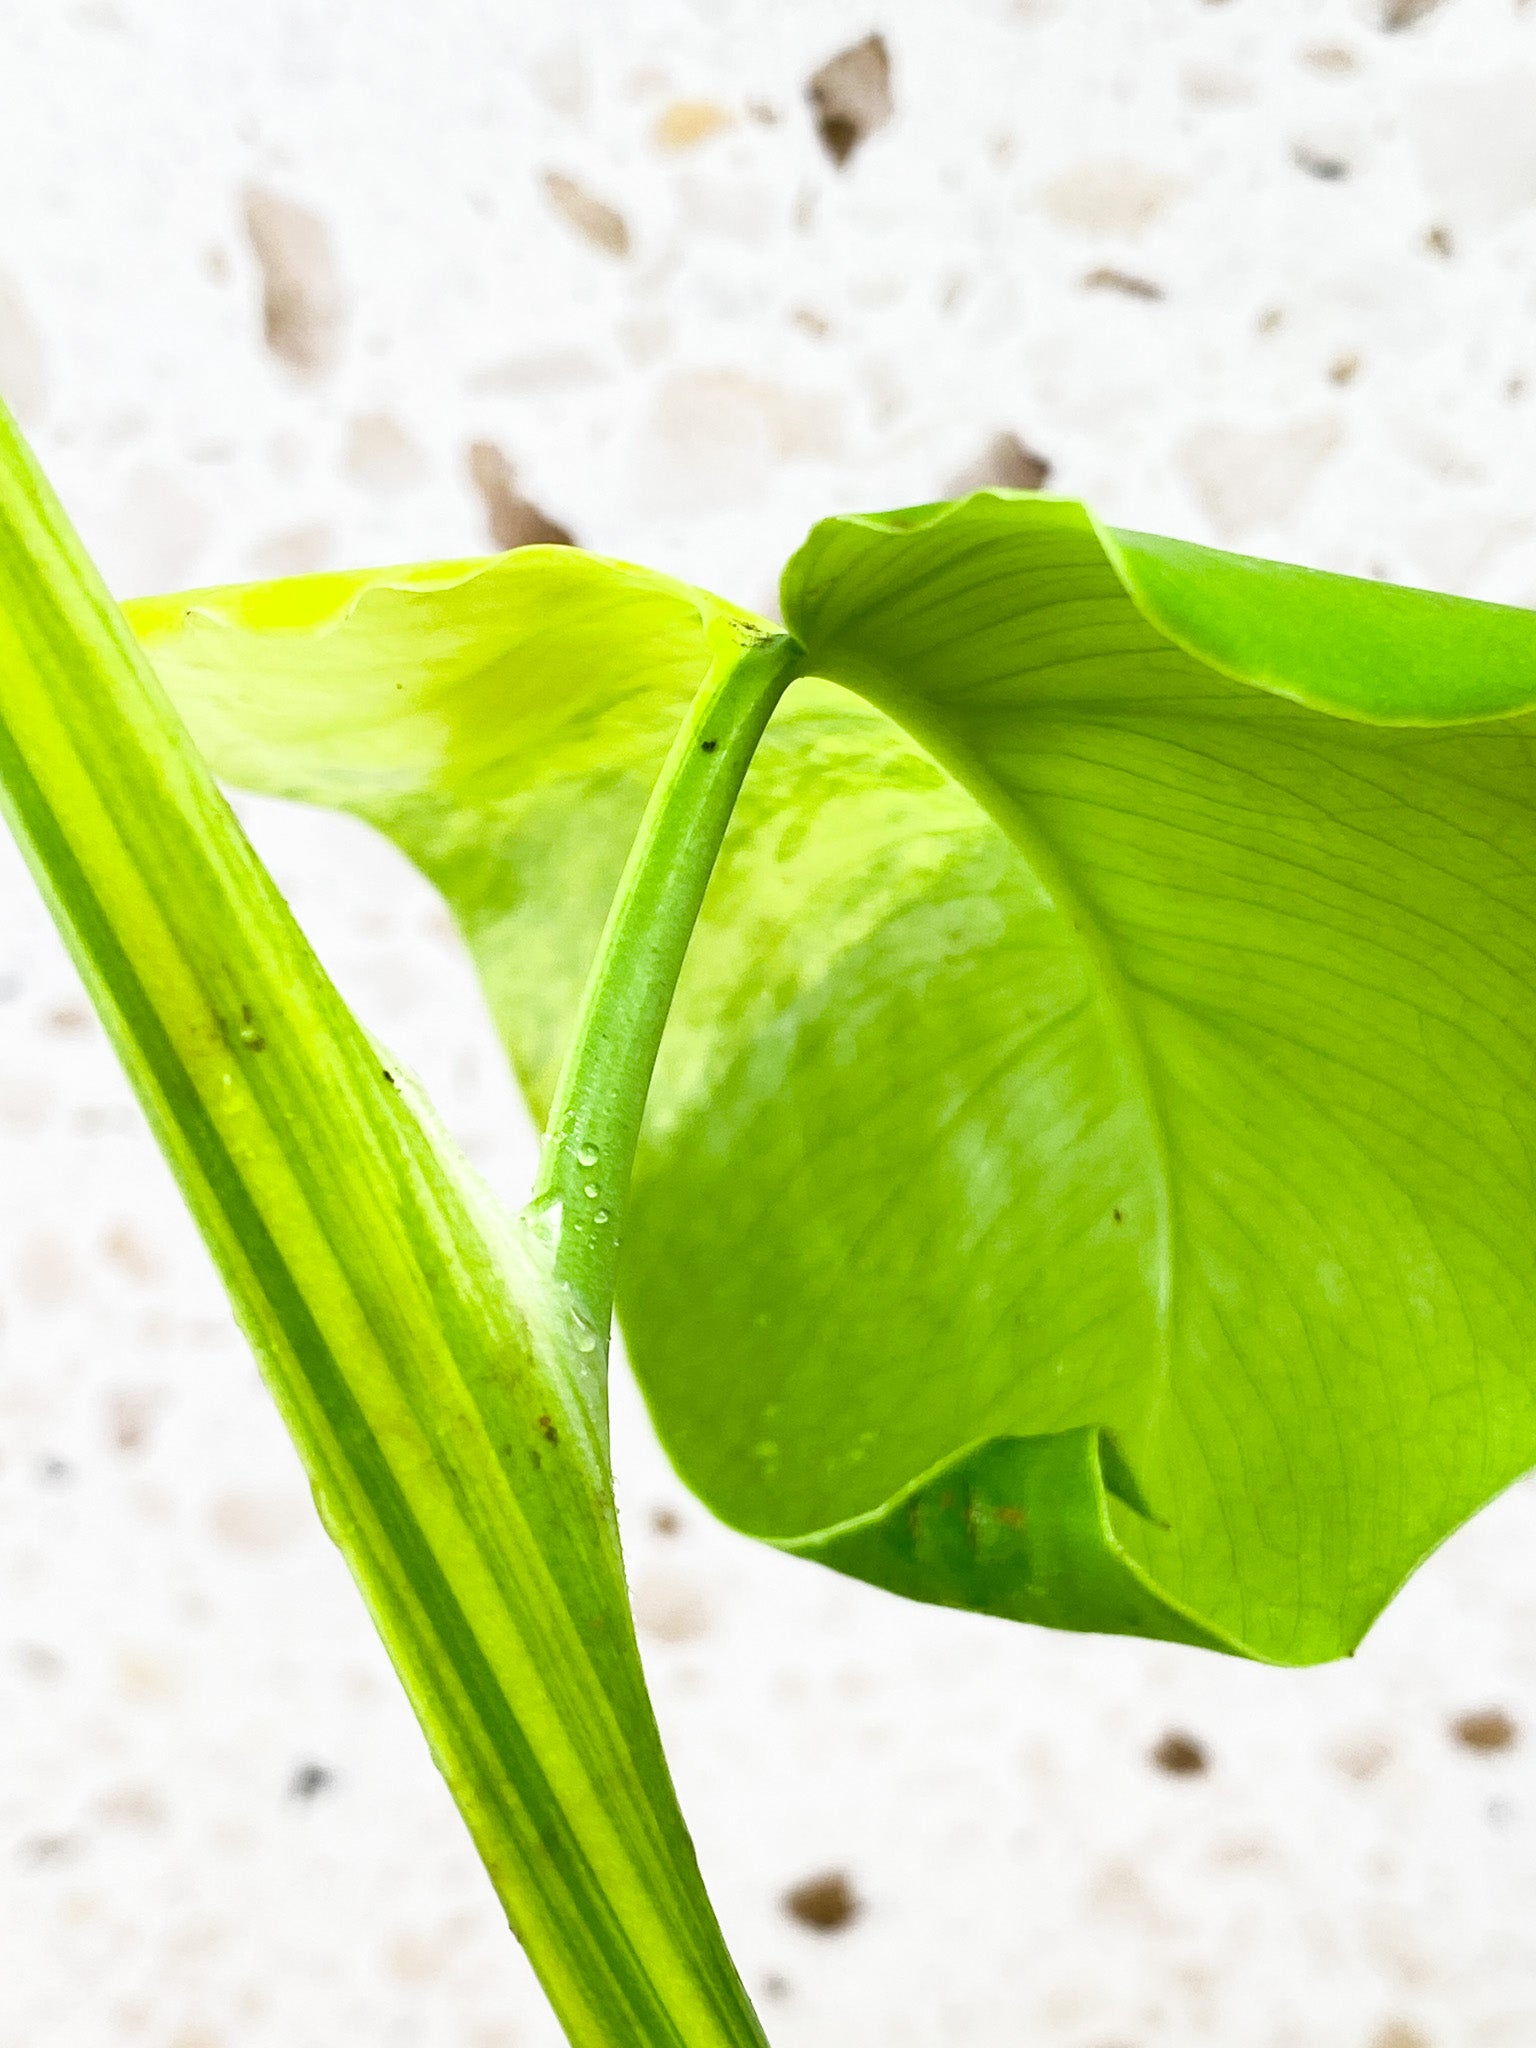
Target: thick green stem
[(594, 1121), (433, 1378)]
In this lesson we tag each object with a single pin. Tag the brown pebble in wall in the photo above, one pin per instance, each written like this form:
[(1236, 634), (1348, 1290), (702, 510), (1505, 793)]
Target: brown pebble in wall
[(851, 97), (826, 1903), (1180, 1755), (1107, 279), (1006, 461), (1486, 1730), (1401, 14), (594, 219), (513, 520), (301, 298)]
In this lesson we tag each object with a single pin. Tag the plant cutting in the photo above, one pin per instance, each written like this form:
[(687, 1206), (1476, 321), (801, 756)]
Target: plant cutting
[(1036, 1047)]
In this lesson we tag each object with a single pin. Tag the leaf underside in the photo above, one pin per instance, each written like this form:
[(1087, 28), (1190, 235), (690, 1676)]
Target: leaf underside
[(1089, 1172)]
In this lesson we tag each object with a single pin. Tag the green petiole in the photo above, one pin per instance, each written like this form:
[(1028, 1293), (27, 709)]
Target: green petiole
[(594, 1120)]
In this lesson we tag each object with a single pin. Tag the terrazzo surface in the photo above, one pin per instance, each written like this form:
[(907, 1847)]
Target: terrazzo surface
[(295, 286)]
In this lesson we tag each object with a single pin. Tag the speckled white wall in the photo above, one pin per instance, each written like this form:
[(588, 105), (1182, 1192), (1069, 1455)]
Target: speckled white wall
[(1262, 272)]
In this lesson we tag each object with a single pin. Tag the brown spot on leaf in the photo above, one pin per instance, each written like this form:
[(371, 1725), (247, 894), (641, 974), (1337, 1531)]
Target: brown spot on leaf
[(600, 224), (1005, 461), (1486, 1730), (851, 97), (301, 300), (827, 1903), (1180, 1755), (513, 520)]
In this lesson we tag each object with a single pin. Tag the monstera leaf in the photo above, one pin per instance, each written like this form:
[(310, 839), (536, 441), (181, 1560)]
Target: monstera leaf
[(1090, 1174)]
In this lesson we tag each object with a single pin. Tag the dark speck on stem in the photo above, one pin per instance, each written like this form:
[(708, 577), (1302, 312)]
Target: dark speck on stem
[(710, 746)]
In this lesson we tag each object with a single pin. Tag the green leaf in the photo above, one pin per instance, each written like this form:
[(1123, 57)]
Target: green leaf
[(1099, 1090), (1019, 1526), (440, 1386)]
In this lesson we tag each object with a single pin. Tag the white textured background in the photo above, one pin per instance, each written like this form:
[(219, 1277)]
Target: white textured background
[(218, 1827)]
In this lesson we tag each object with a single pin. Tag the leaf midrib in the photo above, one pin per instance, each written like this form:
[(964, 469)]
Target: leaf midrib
[(1024, 834)]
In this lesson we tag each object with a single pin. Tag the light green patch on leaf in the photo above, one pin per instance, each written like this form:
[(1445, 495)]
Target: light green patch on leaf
[(1108, 1023)]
